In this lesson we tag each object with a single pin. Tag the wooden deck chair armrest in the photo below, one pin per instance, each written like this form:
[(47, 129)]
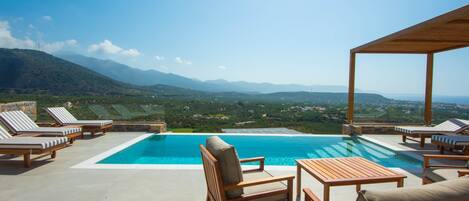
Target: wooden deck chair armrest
[(463, 173), (428, 157), (259, 182), (309, 195), (260, 159)]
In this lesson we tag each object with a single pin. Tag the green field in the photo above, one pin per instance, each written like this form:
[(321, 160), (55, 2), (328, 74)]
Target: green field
[(211, 115)]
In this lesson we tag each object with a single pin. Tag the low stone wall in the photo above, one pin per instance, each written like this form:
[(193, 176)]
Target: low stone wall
[(152, 127), (155, 127), (28, 107)]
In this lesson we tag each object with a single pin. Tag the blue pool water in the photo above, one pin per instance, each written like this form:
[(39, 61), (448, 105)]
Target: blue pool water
[(278, 150)]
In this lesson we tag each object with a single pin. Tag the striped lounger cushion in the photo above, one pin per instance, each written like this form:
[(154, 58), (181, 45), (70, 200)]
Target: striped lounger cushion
[(90, 122), (19, 123), (64, 117), (9, 142), (452, 140), (449, 126), (31, 142), (51, 131)]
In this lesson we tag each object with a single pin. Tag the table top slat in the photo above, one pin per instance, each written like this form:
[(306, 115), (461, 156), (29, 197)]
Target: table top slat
[(338, 168), (379, 167), (362, 168), (319, 170), (350, 169)]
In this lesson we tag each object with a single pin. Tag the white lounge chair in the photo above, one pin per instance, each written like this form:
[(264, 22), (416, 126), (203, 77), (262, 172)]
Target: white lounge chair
[(451, 126), (19, 123), (30, 145), (64, 118)]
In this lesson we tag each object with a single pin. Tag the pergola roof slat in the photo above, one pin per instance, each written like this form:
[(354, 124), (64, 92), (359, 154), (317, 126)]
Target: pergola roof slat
[(445, 32)]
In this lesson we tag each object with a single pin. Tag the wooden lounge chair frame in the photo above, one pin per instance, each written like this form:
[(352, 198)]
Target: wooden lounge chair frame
[(92, 129), (71, 136), (462, 124), (428, 157), (442, 145), (28, 152), (412, 136), (216, 189), (85, 128)]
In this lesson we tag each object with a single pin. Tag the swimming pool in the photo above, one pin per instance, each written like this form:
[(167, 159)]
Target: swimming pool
[(278, 150)]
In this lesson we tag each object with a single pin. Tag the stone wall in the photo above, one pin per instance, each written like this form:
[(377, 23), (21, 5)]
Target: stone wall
[(371, 128), (157, 127), (28, 107)]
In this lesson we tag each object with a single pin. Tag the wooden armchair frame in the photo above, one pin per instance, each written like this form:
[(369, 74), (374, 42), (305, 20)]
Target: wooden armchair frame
[(28, 152), (309, 195), (216, 189), (428, 157)]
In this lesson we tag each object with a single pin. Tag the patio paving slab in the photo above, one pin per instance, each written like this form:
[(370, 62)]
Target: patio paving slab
[(55, 180)]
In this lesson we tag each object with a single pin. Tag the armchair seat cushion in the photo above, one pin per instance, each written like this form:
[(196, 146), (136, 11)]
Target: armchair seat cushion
[(228, 160), (265, 187), (451, 190), (441, 174)]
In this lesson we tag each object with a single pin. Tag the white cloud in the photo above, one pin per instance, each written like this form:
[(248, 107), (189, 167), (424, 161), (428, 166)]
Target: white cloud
[(179, 60), (107, 47), (159, 58), (131, 53), (7, 40), (56, 46), (47, 18), (222, 67)]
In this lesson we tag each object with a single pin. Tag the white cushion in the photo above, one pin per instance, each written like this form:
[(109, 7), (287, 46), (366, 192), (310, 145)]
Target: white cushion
[(31, 142), (17, 121), (51, 131)]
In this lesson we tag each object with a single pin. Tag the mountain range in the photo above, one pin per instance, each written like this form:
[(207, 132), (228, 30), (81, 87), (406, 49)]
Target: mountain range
[(140, 77), (31, 71)]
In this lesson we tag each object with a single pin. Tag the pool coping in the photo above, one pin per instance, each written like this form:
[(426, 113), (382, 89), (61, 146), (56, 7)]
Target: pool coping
[(92, 163)]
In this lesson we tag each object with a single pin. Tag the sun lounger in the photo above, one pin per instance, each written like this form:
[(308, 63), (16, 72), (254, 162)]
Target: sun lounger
[(452, 142), (450, 126), (435, 172), (30, 145), (64, 118), (20, 124)]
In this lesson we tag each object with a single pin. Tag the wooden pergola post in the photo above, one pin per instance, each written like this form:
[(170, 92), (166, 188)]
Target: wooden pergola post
[(428, 90), (351, 88)]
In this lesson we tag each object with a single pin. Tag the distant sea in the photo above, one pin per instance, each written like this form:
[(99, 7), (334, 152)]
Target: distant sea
[(462, 100)]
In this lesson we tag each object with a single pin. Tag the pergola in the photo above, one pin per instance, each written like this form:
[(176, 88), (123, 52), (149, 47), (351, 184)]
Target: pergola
[(445, 32)]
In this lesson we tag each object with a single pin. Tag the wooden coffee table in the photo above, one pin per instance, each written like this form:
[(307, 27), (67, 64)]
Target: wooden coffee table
[(345, 171)]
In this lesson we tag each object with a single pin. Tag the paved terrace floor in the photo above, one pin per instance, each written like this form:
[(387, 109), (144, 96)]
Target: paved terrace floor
[(55, 180)]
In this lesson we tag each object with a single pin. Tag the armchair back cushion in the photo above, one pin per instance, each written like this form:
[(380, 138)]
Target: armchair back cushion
[(450, 190), (228, 160)]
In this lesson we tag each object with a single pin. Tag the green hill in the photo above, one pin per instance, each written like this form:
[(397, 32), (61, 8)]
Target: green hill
[(28, 71)]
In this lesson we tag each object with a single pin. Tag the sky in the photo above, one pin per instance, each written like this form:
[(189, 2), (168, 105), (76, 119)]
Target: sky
[(285, 42)]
